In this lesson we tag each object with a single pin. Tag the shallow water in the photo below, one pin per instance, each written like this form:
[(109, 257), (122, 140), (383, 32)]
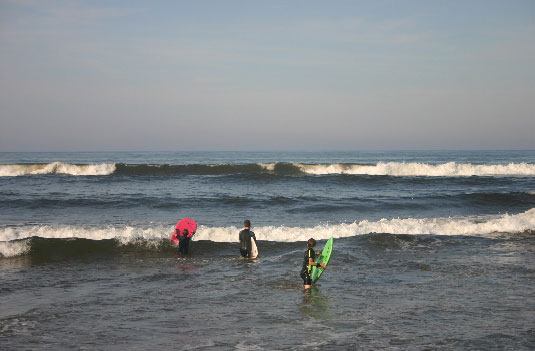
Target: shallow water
[(380, 292)]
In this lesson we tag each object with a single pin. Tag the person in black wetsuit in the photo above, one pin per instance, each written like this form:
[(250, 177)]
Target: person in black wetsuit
[(308, 262), (246, 235), (183, 243)]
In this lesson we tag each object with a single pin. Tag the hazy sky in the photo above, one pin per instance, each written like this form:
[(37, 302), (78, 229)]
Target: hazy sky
[(266, 75)]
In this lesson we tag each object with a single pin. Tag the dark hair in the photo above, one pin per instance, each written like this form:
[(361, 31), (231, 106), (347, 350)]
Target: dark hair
[(247, 223), (311, 243)]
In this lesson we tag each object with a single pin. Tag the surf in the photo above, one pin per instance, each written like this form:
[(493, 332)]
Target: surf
[(394, 169), (12, 239), (414, 169), (57, 168)]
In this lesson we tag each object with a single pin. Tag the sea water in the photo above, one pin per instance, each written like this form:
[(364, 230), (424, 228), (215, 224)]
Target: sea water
[(432, 250)]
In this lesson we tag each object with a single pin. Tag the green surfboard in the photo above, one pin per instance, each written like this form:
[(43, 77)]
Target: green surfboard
[(315, 273)]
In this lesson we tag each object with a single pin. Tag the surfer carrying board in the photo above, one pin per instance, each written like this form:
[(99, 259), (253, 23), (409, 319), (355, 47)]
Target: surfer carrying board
[(184, 230), (308, 263), (246, 236)]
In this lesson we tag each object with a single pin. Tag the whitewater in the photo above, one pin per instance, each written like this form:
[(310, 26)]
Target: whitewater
[(397, 169), (60, 168), (10, 238)]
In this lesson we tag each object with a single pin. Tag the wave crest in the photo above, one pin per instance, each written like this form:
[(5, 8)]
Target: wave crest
[(12, 238), (396, 169), (60, 168), (413, 169)]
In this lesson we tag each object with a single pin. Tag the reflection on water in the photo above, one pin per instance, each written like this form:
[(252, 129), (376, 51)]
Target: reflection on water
[(191, 268), (315, 304)]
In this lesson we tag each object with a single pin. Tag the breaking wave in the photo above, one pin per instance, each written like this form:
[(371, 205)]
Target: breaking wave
[(15, 241), (59, 168), (450, 169), (396, 169)]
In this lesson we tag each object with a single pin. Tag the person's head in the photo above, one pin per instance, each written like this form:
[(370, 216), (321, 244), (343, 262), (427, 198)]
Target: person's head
[(185, 232), (247, 223), (311, 243)]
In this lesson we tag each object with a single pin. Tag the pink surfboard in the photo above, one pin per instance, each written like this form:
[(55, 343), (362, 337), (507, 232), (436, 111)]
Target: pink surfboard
[(185, 223)]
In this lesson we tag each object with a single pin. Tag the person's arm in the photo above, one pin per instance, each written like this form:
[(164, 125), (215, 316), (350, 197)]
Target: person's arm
[(312, 263)]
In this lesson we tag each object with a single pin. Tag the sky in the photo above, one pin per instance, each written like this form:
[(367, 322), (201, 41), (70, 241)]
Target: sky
[(266, 75)]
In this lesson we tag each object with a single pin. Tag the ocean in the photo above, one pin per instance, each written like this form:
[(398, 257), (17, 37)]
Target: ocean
[(433, 250)]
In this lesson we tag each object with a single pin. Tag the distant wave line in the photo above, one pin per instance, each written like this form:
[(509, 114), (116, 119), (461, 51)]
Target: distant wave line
[(413, 169), (59, 168), (396, 169)]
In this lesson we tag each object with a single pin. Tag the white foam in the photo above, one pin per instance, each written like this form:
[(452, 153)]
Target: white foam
[(95, 233), (12, 241), (270, 167), (56, 168), (474, 226), (11, 249), (469, 226), (413, 169)]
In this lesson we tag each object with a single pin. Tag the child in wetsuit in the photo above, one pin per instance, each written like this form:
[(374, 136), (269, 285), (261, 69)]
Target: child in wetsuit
[(183, 244), (310, 256)]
